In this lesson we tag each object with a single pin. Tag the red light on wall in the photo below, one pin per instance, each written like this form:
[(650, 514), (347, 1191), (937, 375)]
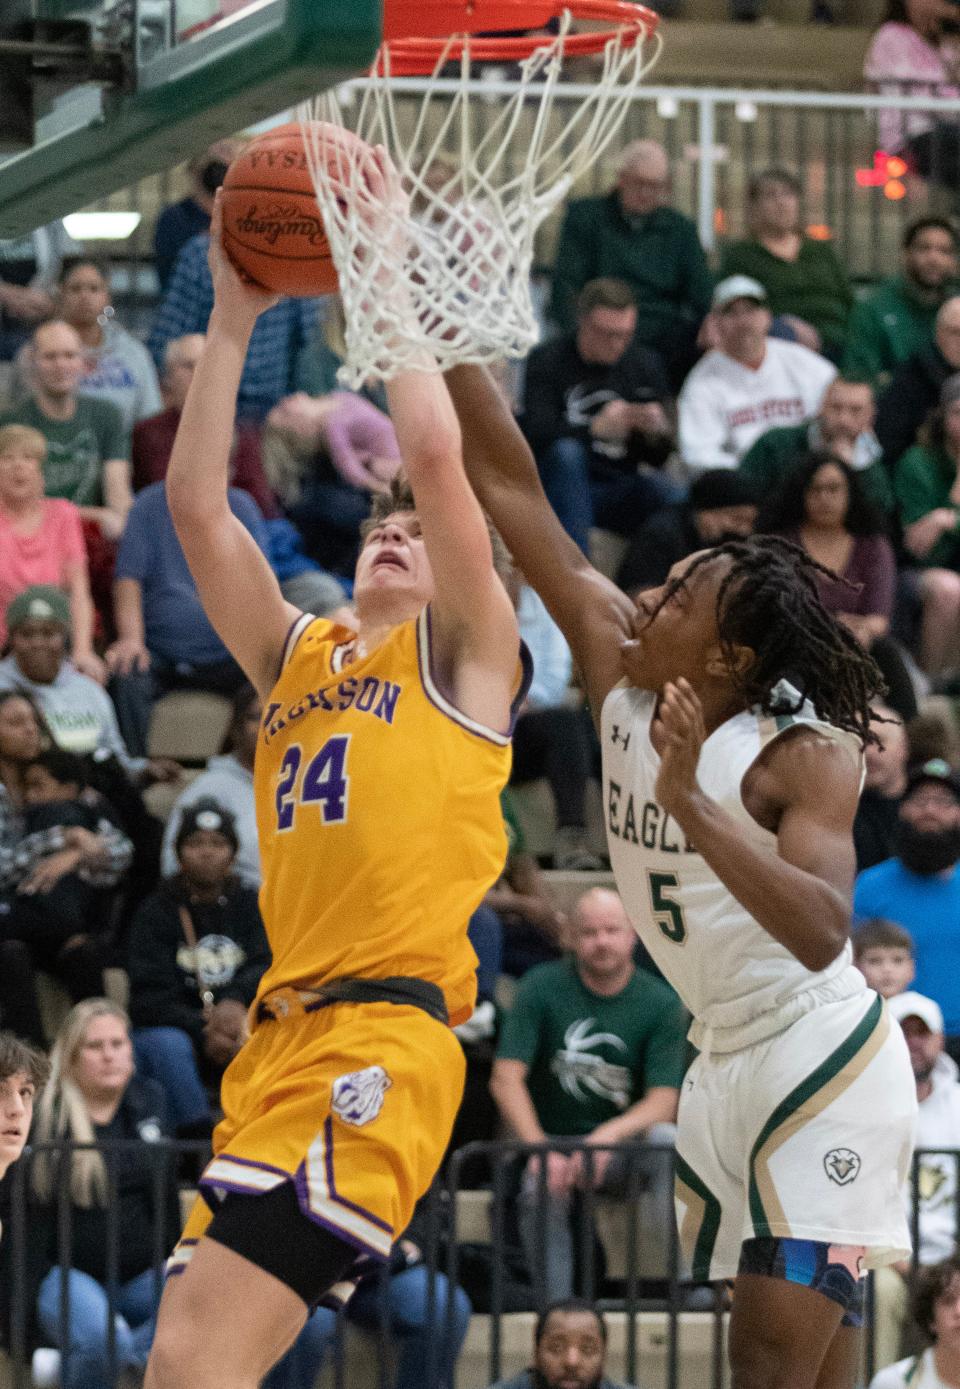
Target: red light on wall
[(894, 190), (886, 173)]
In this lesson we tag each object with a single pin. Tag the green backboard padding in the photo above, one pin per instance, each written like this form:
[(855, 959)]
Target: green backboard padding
[(246, 69)]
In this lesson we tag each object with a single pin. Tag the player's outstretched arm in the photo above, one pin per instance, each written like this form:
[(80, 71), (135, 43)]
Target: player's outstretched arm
[(804, 787), (237, 587), (593, 614)]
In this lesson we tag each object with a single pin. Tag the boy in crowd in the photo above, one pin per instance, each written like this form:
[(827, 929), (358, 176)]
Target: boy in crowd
[(883, 953), (23, 1072)]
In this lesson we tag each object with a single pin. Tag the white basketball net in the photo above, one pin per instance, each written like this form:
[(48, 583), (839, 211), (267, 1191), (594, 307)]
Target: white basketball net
[(463, 254)]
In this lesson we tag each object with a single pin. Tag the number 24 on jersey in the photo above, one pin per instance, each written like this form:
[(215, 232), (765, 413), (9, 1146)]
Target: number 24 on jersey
[(324, 782)]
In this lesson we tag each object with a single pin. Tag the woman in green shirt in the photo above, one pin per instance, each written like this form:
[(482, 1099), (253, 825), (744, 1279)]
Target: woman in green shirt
[(927, 487), (805, 282)]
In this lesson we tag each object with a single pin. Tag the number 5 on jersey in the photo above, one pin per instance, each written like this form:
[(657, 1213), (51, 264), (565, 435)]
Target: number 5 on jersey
[(324, 782), (667, 912)]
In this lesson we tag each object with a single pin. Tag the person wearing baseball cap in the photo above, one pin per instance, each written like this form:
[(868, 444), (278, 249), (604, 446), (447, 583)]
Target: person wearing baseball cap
[(748, 383)]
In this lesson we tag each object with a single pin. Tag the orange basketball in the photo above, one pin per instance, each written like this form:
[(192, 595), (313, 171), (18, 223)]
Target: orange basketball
[(272, 227)]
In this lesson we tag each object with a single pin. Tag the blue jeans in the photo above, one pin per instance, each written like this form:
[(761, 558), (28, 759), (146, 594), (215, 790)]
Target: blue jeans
[(619, 504), (485, 933), (424, 1360), (86, 1364), (166, 1055)]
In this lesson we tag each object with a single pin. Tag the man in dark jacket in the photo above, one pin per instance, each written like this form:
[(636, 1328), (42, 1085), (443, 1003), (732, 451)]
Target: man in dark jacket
[(569, 1348), (596, 406), (915, 386), (197, 951)]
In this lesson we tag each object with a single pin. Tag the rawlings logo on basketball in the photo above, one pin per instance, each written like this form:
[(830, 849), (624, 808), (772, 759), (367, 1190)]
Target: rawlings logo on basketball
[(842, 1165), (358, 1097), (274, 220)]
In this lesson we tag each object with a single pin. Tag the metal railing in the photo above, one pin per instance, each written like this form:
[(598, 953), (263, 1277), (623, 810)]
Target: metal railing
[(663, 1330)]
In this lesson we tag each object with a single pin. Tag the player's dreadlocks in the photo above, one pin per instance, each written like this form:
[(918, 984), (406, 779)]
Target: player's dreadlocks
[(769, 602)]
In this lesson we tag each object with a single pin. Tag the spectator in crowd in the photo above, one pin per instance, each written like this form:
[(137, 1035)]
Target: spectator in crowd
[(914, 53), (915, 386), (919, 888), (748, 384), (551, 737), (164, 639), (632, 234), (179, 222), (41, 541), (933, 1183), (326, 456), (885, 782), (936, 1316), (822, 508), (883, 953), (196, 952), (927, 488), (28, 272), (569, 1349), (899, 318), (117, 366), (279, 336), (228, 778), (721, 505), (843, 427), (534, 927), (596, 406), (153, 437), (591, 1052), (427, 1331), (87, 460), (23, 1074), (95, 1097), (805, 283)]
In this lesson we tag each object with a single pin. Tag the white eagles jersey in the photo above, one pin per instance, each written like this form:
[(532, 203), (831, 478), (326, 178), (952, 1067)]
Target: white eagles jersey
[(739, 983)]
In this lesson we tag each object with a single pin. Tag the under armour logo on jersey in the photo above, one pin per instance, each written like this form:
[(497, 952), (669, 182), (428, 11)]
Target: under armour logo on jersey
[(841, 1165), (617, 737), (358, 1096)]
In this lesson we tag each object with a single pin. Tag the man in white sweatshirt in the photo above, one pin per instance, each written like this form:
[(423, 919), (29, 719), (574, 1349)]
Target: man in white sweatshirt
[(938, 1138), (747, 385)]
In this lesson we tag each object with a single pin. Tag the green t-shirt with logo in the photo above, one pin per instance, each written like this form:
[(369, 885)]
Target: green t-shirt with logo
[(77, 448), (591, 1057)]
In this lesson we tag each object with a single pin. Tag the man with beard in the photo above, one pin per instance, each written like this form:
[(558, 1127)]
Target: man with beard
[(592, 1052), (569, 1349), (938, 1136), (919, 888), (883, 788)]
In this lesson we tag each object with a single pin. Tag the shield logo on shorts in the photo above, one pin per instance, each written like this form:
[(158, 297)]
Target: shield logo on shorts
[(842, 1165), (358, 1096)]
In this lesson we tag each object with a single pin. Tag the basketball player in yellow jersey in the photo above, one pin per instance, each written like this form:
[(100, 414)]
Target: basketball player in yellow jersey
[(382, 753)]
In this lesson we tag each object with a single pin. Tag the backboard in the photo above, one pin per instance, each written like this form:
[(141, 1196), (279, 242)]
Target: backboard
[(96, 94)]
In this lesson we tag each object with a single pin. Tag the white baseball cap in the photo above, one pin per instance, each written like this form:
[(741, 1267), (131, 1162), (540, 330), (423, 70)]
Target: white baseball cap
[(914, 1005), (738, 287)]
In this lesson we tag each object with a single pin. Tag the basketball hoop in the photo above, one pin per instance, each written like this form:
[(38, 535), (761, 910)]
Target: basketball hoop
[(465, 251)]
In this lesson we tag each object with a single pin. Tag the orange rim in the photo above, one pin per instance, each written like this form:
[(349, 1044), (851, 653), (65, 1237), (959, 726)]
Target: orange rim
[(411, 57)]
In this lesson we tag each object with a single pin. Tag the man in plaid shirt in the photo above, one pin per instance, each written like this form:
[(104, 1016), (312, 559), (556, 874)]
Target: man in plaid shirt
[(280, 334)]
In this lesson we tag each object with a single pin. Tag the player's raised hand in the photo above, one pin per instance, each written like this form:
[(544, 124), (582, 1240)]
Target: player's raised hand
[(677, 734), (235, 296)]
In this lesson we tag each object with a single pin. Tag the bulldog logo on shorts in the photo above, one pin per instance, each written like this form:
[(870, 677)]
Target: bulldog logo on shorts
[(358, 1096), (842, 1165)]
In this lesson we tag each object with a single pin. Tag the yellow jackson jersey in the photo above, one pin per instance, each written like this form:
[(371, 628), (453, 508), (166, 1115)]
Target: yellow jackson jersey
[(378, 811)]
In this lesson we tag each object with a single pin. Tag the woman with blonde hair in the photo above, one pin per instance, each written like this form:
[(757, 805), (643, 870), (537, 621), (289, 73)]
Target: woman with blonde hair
[(120, 1190)]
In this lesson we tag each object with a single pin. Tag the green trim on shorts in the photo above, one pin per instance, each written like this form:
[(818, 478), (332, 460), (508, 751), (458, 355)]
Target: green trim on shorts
[(800, 1096), (702, 1254)]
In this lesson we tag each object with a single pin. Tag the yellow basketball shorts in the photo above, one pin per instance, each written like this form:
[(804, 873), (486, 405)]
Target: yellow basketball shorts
[(353, 1103)]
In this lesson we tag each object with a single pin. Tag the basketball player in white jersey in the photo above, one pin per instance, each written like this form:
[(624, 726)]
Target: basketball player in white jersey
[(732, 711)]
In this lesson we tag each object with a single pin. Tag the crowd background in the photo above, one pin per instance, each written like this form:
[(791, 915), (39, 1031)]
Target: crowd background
[(674, 401)]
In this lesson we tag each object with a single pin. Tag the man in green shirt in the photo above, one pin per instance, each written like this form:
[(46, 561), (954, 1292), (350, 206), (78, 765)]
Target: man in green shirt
[(631, 234), (87, 447), (593, 1050), (843, 427), (899, 318)]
